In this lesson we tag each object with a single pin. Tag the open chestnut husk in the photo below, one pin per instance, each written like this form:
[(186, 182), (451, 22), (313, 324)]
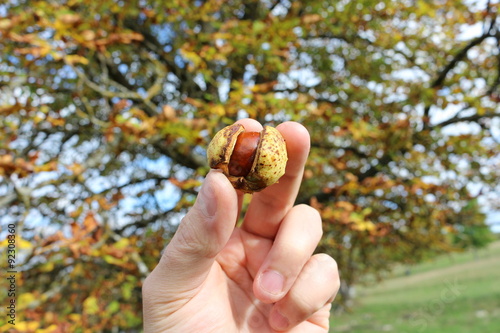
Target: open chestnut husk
[(251, 161)]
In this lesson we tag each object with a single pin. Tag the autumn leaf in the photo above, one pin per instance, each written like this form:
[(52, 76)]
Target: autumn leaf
[(75, 59), (90, 305)]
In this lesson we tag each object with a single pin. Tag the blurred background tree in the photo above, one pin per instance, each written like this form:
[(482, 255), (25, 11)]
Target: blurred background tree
[(472, 230), (106, 108)]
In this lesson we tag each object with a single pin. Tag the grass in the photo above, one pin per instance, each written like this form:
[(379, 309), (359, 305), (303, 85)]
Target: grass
[(459, 293)]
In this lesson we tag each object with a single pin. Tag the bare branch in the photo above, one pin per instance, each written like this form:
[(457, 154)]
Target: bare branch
[(329, 146), (441, 77), (7, 200), (273, 5), (143, 223), (457, 58), (150, 109), (457, 119), (190, 161)]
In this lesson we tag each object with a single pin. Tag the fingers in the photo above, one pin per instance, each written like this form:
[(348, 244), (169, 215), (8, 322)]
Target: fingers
[(202, 234), (301, 286), (268, 208), (293, 246), (315, 287)]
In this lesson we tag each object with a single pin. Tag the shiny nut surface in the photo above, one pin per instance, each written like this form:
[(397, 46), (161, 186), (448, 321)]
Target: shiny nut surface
[(249, 172)]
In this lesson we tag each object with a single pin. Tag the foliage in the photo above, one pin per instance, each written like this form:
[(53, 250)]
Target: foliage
[(106, 108), (473, 231)]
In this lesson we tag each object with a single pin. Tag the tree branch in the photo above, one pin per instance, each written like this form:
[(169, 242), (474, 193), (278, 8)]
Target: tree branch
[(6, 200), (140, 224), (185, 80), (328, 146), (273, 5), (189, 161), (458, 57), (150, 108), (441, 77), (457, 119)]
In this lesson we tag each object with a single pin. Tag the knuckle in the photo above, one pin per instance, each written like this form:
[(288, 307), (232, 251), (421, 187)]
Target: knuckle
[(321, 270), (190, 241), (320, 274), (304, 305)]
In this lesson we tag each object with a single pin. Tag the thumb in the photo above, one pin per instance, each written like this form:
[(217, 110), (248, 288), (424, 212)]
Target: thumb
[(201, 235)]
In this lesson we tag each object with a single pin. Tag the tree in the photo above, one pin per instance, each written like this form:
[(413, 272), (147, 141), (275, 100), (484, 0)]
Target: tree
[(107, 108), (473, 231)]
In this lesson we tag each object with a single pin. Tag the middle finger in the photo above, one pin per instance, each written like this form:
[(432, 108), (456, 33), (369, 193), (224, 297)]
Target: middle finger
[(268, 208)]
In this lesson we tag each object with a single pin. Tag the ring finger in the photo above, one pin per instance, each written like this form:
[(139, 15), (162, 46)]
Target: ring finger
[(316, 286), (295, 242)]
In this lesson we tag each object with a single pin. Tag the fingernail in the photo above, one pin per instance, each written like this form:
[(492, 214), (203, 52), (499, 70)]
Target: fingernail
[(207, 199), (272, 282), (278, 321)]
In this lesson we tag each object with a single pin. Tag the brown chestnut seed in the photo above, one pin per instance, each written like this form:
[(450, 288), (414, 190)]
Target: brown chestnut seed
[(243, 155), (250, 160)]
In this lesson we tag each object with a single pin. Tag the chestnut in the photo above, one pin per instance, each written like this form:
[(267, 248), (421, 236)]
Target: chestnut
[(251, 161)]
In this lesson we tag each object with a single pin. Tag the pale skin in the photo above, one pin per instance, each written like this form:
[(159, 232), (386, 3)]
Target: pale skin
[(260, 277)]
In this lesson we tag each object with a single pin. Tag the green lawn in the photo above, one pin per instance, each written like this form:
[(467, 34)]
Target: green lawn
[(459, 293)]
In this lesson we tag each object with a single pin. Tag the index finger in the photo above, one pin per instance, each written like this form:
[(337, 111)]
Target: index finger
[(268, 208)]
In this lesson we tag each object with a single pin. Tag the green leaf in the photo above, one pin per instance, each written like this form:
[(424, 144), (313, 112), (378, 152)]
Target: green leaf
[(258, 26), (113, 307)]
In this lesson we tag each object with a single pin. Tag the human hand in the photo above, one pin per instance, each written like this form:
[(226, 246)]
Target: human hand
[(260, 277)]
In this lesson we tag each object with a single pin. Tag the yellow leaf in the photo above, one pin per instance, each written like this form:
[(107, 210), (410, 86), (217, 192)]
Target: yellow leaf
[(219, 110), (345, 205), (368, 226), (24, 244), (192, 57), (311, 18), (50, 166), (47, 267), (69, 18), (122, 244), (76, 317), (168, 112), (25, 299), (76, 168), (20, 243), (112, 260), (423, 8), (5, 24), (52, 328), (360, 223), (73, 59), (90, 305), (88, 35), (366, 211), (26, 326)]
